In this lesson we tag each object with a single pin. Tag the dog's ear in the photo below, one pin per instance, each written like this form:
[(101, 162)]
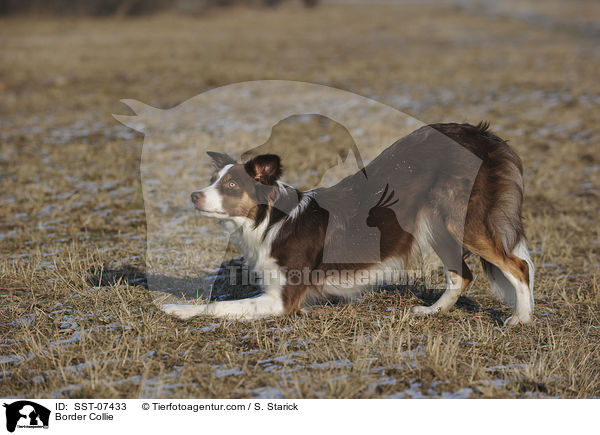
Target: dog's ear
[(220, 160), (265, 169)]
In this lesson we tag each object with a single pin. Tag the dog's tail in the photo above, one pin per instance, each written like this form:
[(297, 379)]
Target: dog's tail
[(504, 220)]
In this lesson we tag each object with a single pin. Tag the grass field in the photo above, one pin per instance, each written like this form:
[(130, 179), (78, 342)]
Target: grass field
[(76, 319)]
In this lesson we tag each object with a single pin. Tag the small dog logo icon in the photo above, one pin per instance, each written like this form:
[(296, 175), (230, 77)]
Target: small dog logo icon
[(26, 414)]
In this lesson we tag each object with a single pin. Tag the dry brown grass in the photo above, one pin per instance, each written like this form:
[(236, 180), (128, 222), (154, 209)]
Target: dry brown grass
[(72, 205)]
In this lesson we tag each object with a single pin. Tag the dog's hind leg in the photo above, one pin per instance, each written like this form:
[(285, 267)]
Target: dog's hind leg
[(510, 276), (458, 274), (456, 283)]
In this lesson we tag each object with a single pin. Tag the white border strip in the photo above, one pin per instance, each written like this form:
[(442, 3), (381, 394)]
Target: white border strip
[(264, 416)]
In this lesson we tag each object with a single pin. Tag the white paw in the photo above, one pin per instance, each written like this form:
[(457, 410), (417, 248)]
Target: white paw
[(422, 310), (183, 311), (516, 320)]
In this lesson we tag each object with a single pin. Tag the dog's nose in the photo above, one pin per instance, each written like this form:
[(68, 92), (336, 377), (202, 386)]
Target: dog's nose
[(196, 196)]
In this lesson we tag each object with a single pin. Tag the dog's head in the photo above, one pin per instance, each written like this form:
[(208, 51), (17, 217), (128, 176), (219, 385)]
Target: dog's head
[(237, 189)]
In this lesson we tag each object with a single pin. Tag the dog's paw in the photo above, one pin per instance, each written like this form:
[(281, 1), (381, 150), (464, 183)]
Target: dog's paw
[(183, 311), (516, 320), (422, 310)]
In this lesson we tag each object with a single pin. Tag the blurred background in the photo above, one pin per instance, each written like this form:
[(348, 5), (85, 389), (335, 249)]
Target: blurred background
[(430, 58), (101, 8)]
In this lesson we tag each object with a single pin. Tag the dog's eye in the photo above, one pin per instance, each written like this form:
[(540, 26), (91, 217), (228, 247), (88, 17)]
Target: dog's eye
[(231, 184)]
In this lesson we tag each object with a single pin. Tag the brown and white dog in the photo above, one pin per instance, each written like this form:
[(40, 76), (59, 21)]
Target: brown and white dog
[(451, 188)]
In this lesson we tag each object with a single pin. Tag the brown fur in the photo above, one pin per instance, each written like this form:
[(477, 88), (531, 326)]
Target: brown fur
[(461, 181), (492, 221)]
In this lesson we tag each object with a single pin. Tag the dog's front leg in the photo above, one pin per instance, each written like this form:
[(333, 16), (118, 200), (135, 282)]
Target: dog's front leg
[(265, 305), (184, 311), (268, 304)]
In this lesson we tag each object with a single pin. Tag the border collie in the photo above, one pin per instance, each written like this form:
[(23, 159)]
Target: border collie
[(423, 192)]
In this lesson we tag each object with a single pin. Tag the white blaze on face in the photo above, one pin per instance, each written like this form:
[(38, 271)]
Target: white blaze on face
[(213, 200)]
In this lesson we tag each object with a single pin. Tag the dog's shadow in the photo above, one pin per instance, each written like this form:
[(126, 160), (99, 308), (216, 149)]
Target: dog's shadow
[(221, 286)]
